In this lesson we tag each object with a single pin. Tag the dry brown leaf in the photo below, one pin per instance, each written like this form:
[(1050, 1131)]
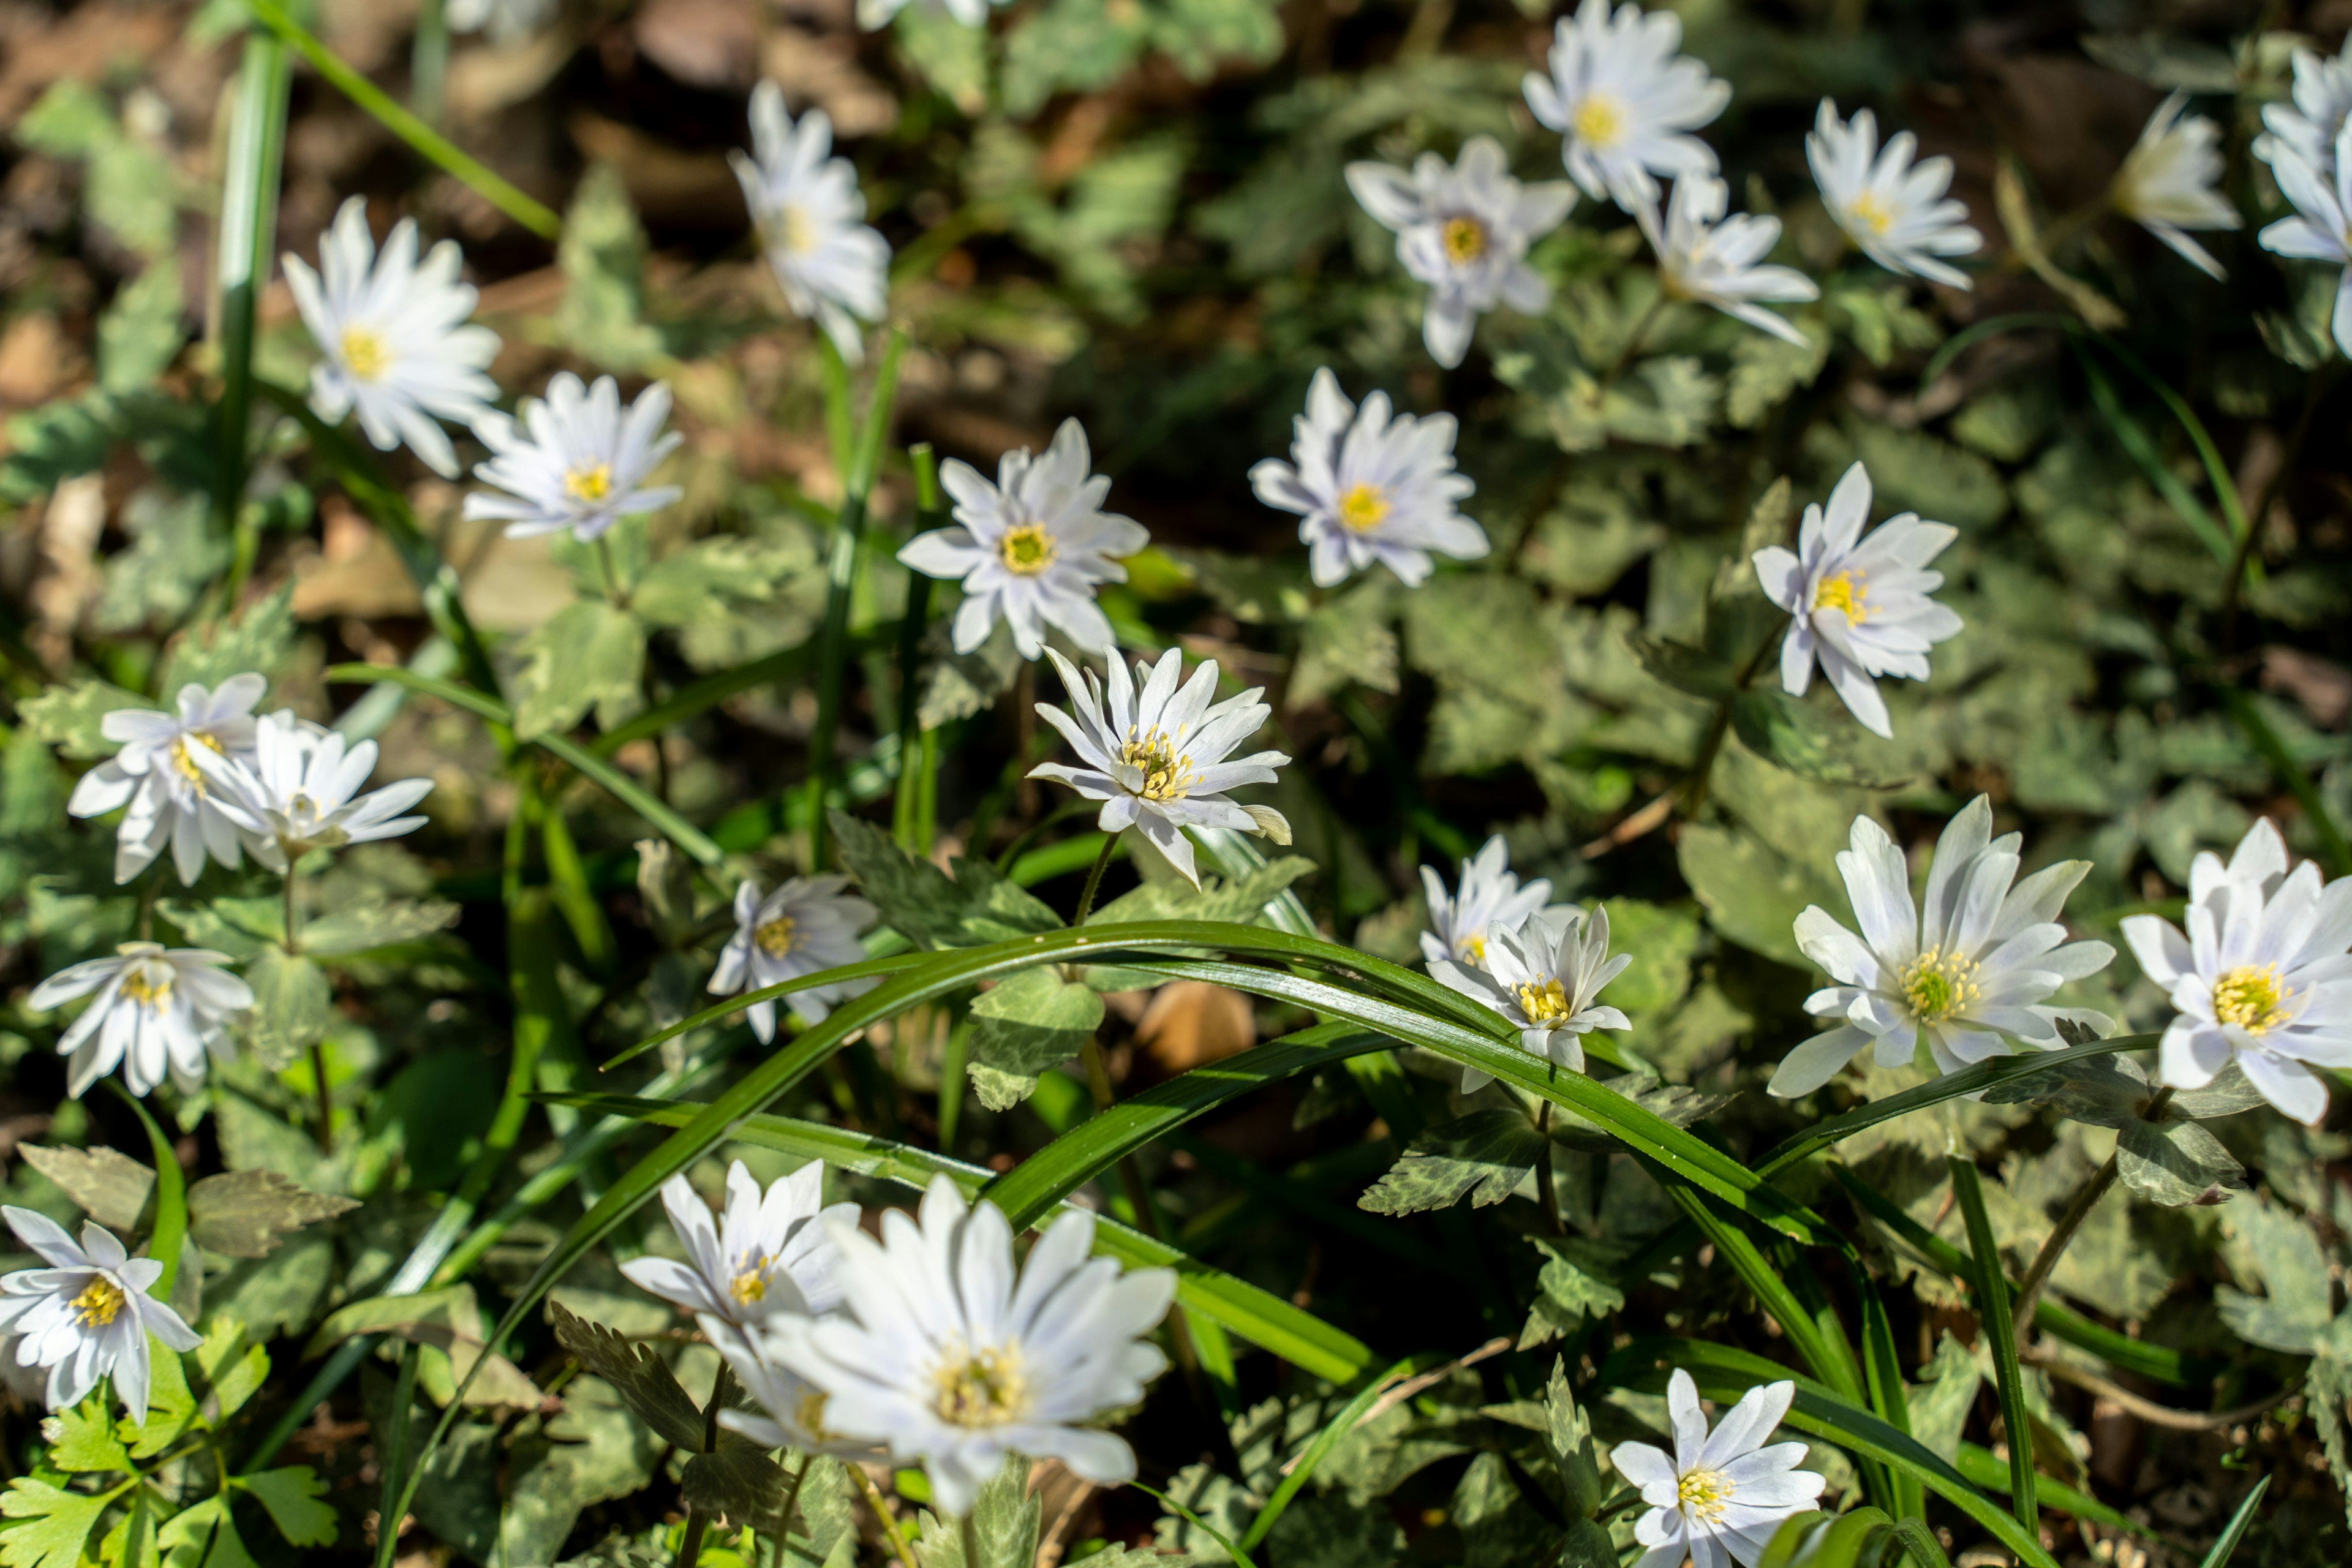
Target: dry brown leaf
[(1191, 1022)]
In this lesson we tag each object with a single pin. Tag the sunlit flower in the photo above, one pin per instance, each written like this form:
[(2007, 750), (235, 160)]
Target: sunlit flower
[(1157, 758), (2308, 127), (1721, 1494), (301, 792), (1490, 900), (1372, 487), (1624, 99), (158, 1010), (1032, 548), (2263, 975), (2170, 182), (1859, 606), (1963, 976), (2321, 228), (574, 460), (1464, 231), (1543, 975), (393, 333), (941, 1352), (807, 925), (154, 774), (1716, 260), (88, 1314), (1892, 203), (789, 1411), (873, 14), (767, 1253), (811, 217)]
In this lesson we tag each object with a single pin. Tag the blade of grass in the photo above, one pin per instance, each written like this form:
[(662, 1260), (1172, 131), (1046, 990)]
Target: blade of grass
[(697, 697), (2292, 774), (1888, 1401), (2236, 1530), (905, 798), (1988, 1470), (1304, 1465), (1990, 1289), (247, 231), (171, 1199)]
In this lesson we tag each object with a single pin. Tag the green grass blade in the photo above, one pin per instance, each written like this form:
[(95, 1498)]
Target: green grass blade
[(2292, 774), (170, 1200), (2141, 448), (1888, 1400), (2236, 1531), (1303, 1468), (247, 230), (1991, 1288), (698, 697), (1988, 1470)]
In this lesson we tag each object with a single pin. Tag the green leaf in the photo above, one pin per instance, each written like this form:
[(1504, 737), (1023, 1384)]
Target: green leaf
[(1989, 1291), (232, 1371), (139, 334), (644, 1384), (1025, 1025), (1750, 893), (249, 1213), (295, 1499), (1576, 1283), (711, 578), (293, 1006), (446, 1320), (204, 1536), (258, 639), (358, 928), (1567, 1432), (1676, 1105), (1483, 1156), (1800, 737), (1245, 899), (2176, 1163), (57, 1524), (2226, 1545), (67, 716), (587, 655), (2295, 1314), (1347, 640), (925, 905), (112, 1188), (592, 1452), (171, 1406), (603, 255), (81, 1439), (738, 1484), (1005, 1523), (1818, 1540)]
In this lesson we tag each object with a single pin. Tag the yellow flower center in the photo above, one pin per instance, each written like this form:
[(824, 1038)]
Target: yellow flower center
[(1545, 1003), (1869, 213), (185, 763), (811, 1415), (750, 1287), (1598, 123), (1026, 549), (1847, 594), (1465, 240), (365, 353), (791, 230), (2252, 996), (147, 984), (775, 937), (1473, 948), (1937, 985), (591, 484), (1363, 508), (1705, 1493), (1167, 773), (983, 1388), (98, 1304)]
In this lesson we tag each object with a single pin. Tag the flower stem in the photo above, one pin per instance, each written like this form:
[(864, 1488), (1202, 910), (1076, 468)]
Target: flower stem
[(609, 573), (326, 1096), (1546, 1191), (1703, 770), (293, 938), (2037, 1276), (689, 1550), (1633, 341), (889, 1522), (1093, 883)]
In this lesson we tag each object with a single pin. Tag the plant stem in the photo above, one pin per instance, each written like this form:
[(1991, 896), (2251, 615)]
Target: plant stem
[(1703, 770), (610, 574), (689, 1550), (890, 1522), (1633, 341), (1546, 1193), (967, 1530), (1094, 880), (326, 1097), (793, 1498), (2028, 1289), (912, 774)]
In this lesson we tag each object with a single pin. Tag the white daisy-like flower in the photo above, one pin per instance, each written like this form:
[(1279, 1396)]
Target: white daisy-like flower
[(2170, 182), (767, 1253), (2309, 126), (574, 460), (2263, 977), (948, 1357), (1722, 1494), (88, 1314), (1544, 976), (789, 1410), (1157, 758), (398, 350), (1858, 606), (1032, 548), (1372, 487), (1625, 100), (1893, 204), (1490, 899), (1716, 260), (301, 792), (1464, 231), (2321, 228), (807, 925), (156, 776), (811, 217), (158, 1011), (1964, 976)]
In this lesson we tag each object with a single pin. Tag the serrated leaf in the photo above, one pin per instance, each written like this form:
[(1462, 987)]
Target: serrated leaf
[(1347, 640), (232, 1371), (958, 684), (602, 255), (357, 928), (81, 1439), (1576, 1283), (2299, 1306), (112, 1187), (67, 716), (294, 1496), (1483, 1156), (738, 1484), (2176, 1163), (1005, 1521), (1797, 736), (249, 1213), (258, 640), (293, 1006), (710, 577), (56, 1523), (644, 1384), (139, 334), (1034, 1021), (204, 1536), (587, 655), (1567, 1433), (926, 906)]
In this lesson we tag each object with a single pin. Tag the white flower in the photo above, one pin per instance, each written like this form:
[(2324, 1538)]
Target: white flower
[(1858, 606), (2321, 228), (767, 1254), (1491, 898), (1721, 1494), (807, 925), (1961, 976), (1891, 203), (2262, 976), (301, 792), (1033, 546), (574, 461), (2309, 127), (1371, 487), (1543, 975), (947, 1357), (810, 216), (1625, 101), (397, 348), (505, 21), (1717, 260), (873, 14), (791, 1411), (2170, 182), (88, 1314), (155, 776), (1464, 231), (1157, 759), (158, 1009)]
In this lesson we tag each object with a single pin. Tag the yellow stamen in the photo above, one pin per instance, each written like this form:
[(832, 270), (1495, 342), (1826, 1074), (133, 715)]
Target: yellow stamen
[(98, 1304), (983, 1388), (752, 1285), (147, 984), (2252, 996), (811, 1415), (790, 231), (1167, 773), (185, 763), (1545, 1003), (1465, 240), (1363, 508), (775, 938), (1473, 948), (1847, 594), (365, 353), (1705, 1493), (1937, 985), (1869, 213), (1597, 122), (591, 484), (1026, 549)]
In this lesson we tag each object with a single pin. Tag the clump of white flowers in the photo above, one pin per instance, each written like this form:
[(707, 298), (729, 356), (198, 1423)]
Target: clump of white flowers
[(1490, 897), (88, 1314), (1718, 1493), (301, 791), (2321, 228), (1705, 256), (1859, 606), (807, 925), (398, 350), (573, 460), (159, 1011), (1032, 548), (1464, 231), (767, 1253), (2309, 124), (1158, 758), (2170, 182), (1544, 976), (811, 218), (1964, 975), (1371, 486), (155, 776), (1893, 204), (2262, 976), (1625, 100)]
